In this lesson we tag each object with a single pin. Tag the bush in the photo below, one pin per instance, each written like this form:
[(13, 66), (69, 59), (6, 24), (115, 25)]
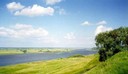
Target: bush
[(24, 51), (77, 55)]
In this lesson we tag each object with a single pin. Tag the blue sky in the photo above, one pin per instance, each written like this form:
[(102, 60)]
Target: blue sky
[(58, 23)]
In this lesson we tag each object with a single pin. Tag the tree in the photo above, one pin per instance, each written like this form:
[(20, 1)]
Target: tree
[(24, 51), (112, 42)]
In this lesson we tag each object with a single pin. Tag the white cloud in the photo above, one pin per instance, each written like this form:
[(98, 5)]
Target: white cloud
[(52, 2), (3, 33), (102, 23), (70, 36), (102, 28), (85, 23), (35, 10), (99, 23), (14, 6), (23, 31)]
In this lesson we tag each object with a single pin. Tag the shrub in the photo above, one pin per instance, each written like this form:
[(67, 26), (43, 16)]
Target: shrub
[(77, 55)]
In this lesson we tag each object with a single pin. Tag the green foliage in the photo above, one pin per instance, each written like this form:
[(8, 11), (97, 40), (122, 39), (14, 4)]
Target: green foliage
[(24, 51), (77, 55), (112, 42)]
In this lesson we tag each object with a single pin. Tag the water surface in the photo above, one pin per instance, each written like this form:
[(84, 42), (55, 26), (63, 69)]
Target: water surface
[(22, 58)]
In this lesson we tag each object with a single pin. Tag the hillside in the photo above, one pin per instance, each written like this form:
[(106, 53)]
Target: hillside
[(118, 64)]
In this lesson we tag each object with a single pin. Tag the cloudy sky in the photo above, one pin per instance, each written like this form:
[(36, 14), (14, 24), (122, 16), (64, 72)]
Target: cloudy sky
[(58, 23)]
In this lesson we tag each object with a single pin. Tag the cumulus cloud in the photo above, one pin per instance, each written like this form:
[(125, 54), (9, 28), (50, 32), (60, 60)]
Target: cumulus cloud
[(52, 2), (85, 23), (102, 23), (102, 28), (70, 36), (35, 10), (14, 6), (23, 31)]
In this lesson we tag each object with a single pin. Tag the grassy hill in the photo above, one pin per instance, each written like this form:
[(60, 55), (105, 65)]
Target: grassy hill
[(118, 64)]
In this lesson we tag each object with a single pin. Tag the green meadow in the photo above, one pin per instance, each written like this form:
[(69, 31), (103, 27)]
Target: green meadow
[(78, 64), (5, 51)]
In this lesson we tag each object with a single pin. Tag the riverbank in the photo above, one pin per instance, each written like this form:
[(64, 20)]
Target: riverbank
[(30, 57), (117, 64), (58, 66), (10, 51)]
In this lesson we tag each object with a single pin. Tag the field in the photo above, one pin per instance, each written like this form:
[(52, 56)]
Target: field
[(4, 51)]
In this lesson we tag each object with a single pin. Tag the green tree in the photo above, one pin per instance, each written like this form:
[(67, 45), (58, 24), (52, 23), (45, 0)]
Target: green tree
[(24, 51), (112, 42)]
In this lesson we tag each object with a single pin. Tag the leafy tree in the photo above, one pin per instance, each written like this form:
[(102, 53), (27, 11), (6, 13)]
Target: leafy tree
[(112, 42), (25, 51)]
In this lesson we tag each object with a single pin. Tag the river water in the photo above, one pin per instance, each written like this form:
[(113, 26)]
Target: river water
[(23, 58)]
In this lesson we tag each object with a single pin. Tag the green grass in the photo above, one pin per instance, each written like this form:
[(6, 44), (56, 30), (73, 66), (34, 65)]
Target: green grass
[(58, 66), (10, 51), (41, 50), (77, 55), (118, 64), (78, 64)]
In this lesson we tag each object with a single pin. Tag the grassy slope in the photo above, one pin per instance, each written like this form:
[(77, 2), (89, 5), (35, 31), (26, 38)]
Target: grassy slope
[(60, 66), (118, 64)]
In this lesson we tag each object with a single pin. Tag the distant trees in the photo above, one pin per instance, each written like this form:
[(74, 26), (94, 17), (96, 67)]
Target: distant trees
[(24, 51), (112, 42)]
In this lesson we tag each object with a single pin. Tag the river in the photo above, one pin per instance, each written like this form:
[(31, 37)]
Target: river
[(30, 57)]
